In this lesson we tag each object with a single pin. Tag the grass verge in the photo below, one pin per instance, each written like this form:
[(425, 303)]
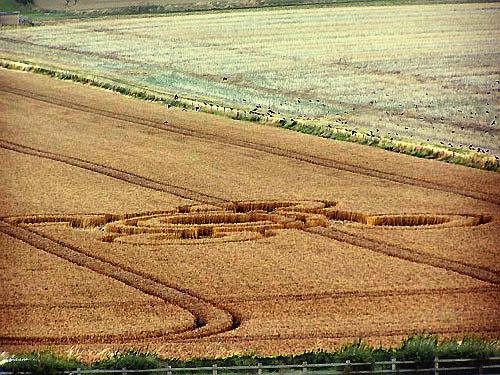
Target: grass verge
[(420, 349), (427, 151)]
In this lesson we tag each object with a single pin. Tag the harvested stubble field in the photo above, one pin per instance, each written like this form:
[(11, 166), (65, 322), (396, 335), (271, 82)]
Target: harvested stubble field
[(426, 74), (222, 238)]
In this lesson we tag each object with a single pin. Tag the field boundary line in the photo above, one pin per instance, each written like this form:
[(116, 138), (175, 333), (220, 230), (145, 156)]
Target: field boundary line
[(477, 272), (277, 151), (115, 173), (210, 319)]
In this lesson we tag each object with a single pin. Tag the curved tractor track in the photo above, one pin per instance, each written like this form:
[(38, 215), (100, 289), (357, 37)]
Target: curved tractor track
[(351, 335), (210, 319), (229, 299), (302, 157)]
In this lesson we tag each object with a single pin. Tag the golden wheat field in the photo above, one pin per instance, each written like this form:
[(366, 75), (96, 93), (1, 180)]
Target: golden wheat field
[(205, 236)]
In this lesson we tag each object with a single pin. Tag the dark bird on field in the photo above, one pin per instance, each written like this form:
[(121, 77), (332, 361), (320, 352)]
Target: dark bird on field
[(493, 123), (224, 78), (165, 122), (176, 97)]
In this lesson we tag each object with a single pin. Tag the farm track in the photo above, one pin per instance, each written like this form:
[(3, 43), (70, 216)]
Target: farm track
[(272, 150), (358, 294), (115, 173), (477, 272), (352, 335), (210, 319), (480, 273)]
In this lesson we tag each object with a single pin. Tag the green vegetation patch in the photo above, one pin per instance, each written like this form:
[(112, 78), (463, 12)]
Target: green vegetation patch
[(421, 349)]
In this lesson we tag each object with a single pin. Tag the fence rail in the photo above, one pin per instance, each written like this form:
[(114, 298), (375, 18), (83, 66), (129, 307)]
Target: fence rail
[(435, 367)]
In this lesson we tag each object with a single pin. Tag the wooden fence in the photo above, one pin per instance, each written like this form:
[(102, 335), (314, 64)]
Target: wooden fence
[(436, 367)]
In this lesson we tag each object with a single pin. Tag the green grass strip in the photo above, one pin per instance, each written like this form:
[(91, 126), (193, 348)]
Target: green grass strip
[(421, 349)]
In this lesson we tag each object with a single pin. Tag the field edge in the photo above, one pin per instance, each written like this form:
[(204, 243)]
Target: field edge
[(420, 150)]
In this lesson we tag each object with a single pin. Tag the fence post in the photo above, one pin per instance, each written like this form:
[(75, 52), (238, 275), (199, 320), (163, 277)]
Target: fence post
[(393, 365), (436, 366), (304, 366), (214, 369), (124, 371), (169, 370), (78, 370), (347, 369), (259, 370)]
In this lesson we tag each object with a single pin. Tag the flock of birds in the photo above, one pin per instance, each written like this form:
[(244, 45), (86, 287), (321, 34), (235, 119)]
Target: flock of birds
[(260, 111)]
